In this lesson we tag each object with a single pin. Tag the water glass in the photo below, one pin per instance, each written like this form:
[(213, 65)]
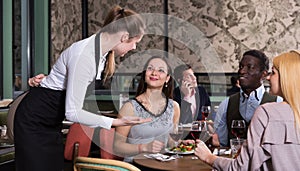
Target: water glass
[(235, 146)]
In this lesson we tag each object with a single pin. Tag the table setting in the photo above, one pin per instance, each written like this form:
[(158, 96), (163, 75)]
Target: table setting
[(202, 130), (180, 155)]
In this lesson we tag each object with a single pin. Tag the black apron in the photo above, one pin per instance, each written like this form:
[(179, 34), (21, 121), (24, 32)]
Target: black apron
[(37, 130)]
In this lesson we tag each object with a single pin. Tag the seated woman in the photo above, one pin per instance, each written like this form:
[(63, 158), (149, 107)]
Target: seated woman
[(273, 135), (153, 100)]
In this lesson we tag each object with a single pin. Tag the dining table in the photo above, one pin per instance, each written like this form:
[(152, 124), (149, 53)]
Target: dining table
[(187, 162)]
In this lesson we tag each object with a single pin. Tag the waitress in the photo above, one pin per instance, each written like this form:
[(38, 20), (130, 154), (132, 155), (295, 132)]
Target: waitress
[(38, 119)]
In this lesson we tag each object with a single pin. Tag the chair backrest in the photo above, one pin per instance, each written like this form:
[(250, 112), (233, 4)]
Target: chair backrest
[(80, 135), (11, 115), (106, 144), (90, 164)]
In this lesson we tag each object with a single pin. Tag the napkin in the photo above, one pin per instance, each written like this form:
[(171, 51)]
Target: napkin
[(188, 125), (160, 157), (218, 152)]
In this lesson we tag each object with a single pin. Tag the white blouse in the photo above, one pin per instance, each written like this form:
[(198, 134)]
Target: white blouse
[(73, 71)]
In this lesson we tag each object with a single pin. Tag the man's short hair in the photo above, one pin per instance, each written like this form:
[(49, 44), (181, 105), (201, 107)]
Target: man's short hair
[(178, 71), (264, 60)]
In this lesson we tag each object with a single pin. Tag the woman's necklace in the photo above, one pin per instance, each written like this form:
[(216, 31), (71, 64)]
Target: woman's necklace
[(154, 107), (148, 103)]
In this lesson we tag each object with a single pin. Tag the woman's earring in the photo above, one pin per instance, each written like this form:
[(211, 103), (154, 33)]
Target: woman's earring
[(166, 84)]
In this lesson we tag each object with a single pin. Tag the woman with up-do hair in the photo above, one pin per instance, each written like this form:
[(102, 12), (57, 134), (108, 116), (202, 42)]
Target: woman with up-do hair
[(38, 119)]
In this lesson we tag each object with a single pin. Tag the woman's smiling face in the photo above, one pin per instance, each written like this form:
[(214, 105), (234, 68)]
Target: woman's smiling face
[(156, 73)]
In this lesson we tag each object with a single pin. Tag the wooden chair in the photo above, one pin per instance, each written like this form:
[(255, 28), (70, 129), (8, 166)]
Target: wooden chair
[(91, 164)]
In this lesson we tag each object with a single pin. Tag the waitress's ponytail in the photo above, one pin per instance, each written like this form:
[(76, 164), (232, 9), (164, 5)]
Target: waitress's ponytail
[(128, 21), (109, 66)]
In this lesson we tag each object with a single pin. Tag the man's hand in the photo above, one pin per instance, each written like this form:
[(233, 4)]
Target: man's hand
[(187, 89), (36, 80)]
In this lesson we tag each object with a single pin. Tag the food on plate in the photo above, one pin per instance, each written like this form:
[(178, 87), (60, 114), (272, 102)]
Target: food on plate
[(183, 148)]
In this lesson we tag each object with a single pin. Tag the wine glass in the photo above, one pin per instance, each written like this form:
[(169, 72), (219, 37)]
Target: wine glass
[(176, 134), (205, 110), (238, 128), (202, 130), (196, 129)]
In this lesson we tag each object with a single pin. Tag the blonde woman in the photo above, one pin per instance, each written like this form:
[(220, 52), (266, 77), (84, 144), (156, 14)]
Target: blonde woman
[(274, 134), (38, 119)]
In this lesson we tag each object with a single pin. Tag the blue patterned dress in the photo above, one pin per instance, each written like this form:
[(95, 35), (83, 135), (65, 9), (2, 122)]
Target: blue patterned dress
[(157, 129)]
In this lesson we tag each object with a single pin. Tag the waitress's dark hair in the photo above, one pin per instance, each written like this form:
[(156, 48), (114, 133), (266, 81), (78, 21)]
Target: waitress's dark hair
[(120, 19), (167, 89)]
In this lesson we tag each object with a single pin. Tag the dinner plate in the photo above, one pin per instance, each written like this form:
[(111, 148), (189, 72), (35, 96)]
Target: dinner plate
[(172, 152)]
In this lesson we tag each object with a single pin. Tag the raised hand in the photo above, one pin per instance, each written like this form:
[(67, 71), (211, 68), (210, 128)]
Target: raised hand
[(187, 89)]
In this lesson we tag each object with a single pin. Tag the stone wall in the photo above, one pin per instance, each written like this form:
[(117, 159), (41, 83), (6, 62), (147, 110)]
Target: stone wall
[(211, 35)]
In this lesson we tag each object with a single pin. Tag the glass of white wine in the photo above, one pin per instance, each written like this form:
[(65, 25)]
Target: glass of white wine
[(176, 134)]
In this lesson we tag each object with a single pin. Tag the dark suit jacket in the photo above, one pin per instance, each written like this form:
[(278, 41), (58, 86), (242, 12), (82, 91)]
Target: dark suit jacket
[(202, 99)]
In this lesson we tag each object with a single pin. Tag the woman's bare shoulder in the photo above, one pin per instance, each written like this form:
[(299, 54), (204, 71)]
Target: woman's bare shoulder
[(126, 109)]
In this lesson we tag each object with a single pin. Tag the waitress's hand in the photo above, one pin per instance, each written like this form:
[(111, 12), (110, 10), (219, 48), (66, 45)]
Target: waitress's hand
[(36, 80), (130, 121)]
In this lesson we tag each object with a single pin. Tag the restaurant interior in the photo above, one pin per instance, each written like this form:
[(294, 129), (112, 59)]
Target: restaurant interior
[(209, 35)]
